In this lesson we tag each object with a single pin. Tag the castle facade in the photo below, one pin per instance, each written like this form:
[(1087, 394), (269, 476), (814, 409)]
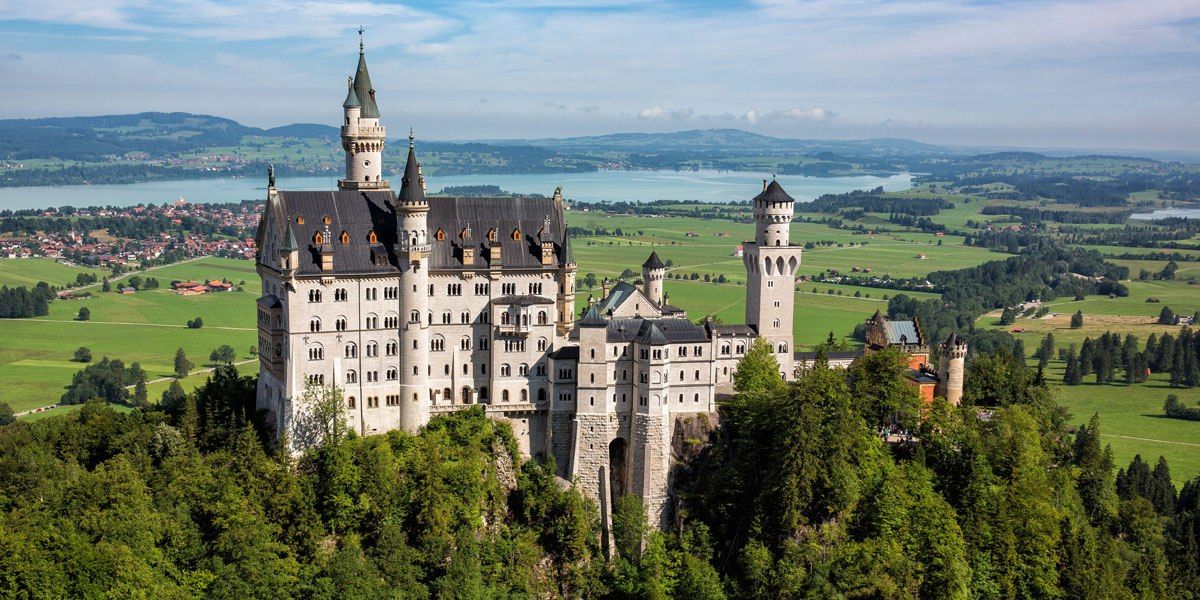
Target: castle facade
[(411, 306)]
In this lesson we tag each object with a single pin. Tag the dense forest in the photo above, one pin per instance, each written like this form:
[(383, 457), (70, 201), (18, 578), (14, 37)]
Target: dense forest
[(187, 499), (22, 302)]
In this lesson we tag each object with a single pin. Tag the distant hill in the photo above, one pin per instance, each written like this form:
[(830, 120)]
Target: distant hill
[(732, 141), (155, 133)]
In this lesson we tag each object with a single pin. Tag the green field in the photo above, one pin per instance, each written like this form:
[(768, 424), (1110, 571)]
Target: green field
[(1131, 416), (29, 271), (146, 327)]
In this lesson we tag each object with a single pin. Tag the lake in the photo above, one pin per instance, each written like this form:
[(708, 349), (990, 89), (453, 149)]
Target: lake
[(639, 186), (1166, 213)]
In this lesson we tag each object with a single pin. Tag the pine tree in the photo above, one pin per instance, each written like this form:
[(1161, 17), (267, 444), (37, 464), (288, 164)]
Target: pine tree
[(1152, 352), (1045, 351), (1008, 316), (140, 397), (183, 366), (1077, 320), (1095, 472), (1072, 375), (1167, 316), (1166, 354), (1087, 357), (1162, 490), (106, 286)]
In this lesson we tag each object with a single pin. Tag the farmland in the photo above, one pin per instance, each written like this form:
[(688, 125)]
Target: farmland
[(29, 271)]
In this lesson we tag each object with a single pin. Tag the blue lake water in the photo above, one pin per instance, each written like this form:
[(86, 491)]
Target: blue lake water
[(1166, 213), (638, 186)]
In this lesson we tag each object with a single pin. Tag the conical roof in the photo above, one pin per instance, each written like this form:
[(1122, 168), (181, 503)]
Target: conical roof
[(653, 335), (351, 96), (952, 341), (653, 263), (774, 193), (592, 318), (363, 89), (289, 240), (411, 190)]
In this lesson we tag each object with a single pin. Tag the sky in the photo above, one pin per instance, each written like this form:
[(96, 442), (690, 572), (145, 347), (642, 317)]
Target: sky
[(1038, 74)]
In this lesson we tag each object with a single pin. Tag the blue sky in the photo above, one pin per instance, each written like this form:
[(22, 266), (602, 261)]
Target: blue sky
[(1052, 73)]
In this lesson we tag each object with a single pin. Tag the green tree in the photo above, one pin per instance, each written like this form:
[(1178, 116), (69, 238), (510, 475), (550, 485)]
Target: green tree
[(85, 314), (225, 354), (1077, 320), (1166, 316), (183, 366), (1096, 482), (629, 527), (106, 286), (83, 354), (6, 414), (173, 400), (757, 373), (1073, 375), (1008, 316), (140, 395)]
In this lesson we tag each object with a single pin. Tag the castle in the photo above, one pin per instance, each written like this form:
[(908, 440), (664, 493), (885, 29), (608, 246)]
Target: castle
[(413, 306)]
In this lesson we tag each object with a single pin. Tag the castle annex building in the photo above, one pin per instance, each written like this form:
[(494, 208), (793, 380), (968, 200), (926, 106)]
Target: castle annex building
[(413, 306)]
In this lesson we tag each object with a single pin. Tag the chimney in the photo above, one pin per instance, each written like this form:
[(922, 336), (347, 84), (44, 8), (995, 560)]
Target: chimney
[(547, 254), (468, 255), (605, 286), (764, 185), (494, 255)]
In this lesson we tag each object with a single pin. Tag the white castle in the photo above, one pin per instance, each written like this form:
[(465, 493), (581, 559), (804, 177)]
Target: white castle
[(414, 306)]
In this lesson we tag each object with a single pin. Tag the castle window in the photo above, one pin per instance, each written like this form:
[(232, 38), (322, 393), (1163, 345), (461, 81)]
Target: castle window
[(504, 396), (372, 349), (464, 317), (440, 235), (327, 220), (775, 323), (351, 377), (483, 343), (783, 347), (447, 316), (316, 353), (464, 343), (314, 325), (541, 345), (345, 238), (392, 348), (437, 344), (516, 234), (299, 220), (372, 238), (523, 369), (350, 402), (542, 318), (340, 324), (697, 375), (314, 295), (351, 350), (491, 234), (392, 374), (318, 239), (505, 370)]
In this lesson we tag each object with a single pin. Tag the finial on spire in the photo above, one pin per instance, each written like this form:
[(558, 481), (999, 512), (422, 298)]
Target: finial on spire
[(270, 176), (410, 136), (360, 39)]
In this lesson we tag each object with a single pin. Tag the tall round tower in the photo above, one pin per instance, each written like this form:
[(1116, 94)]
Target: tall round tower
[(653, 272), (952, 361), (771, 266), (412, 254), (363, 137)]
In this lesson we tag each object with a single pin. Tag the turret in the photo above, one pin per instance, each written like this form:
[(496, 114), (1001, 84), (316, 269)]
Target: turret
[(952, 361), (412, 254), (289, 252), (773, 215), (653, 272), (363, 137)]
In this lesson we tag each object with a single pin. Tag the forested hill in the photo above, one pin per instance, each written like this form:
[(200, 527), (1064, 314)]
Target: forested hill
[(733, 140), (154, 133)]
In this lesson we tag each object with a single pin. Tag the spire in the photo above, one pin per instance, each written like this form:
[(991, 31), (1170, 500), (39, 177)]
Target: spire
[(411, 189), (270, 176), (773, 192), (362, 86), (351, 95), (289, 240)]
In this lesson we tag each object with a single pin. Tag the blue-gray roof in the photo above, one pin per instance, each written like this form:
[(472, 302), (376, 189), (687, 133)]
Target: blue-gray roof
[(902, 332)]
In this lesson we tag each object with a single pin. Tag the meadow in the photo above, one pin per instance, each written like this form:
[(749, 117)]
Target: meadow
[(29, 271), (146, 327)]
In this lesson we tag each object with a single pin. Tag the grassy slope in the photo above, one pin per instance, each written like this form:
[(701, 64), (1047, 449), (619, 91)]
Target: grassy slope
[(29, 271), (147, 327), (1130, 415)]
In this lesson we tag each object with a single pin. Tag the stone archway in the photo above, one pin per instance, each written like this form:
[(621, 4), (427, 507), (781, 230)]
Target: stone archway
[(618, 469)]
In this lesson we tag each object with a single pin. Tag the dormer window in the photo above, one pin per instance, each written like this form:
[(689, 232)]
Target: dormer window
[(327, 220), (371, 237), (440, 235), (318, 239), (345, 237), (516, 234), (463, 234), (491, 234), (299, 220)]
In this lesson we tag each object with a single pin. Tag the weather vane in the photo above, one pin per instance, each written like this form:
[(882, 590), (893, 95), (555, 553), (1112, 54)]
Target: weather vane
[(360, 39)]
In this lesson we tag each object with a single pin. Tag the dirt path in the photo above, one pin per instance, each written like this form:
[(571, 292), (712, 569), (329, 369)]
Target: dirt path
[(1142, 439)]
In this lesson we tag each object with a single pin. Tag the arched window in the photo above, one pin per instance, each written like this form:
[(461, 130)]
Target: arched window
[(350, 402), (483, 343), (372, 238), (314, 325), (440, 235), (505, 370), (504, 395), (316, 353), (446, 316), (541, 395), (491, 236), (464, 317), (516, 234), (414, 317), (505, 318), (372, 349), (314, 295), (437, 343), (466, 394), (340, 324), (392, 348), (483, 392), (542, 319), (351, 377), (318, 239), (392, 374), (524, 395), (345, 238), (351, 350), (783, 347), (464, 343), (523, 369), (299, 220)]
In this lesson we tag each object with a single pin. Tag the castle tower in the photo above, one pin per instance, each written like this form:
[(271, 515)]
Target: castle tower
[(653, 272), (771, 265), (952, 360), (412, 254), (595, 445), (651, 429), (363, 137)]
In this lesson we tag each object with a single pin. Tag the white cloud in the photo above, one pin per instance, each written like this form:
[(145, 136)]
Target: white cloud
[(815, 114), (659, 113)]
